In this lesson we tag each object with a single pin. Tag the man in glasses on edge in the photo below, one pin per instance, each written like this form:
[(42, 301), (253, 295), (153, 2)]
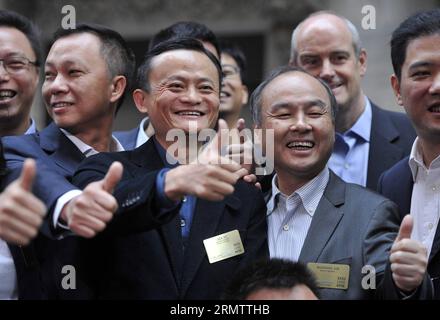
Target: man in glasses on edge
[(20, 56)]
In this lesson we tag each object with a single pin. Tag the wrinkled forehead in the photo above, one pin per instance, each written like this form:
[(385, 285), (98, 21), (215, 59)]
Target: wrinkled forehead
[(295, 85), (13, 41), (184, 60), (77, 43)]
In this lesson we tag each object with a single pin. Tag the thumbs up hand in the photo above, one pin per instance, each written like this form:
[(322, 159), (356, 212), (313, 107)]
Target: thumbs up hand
[(89, 213), (408, 258), (212, 176), (21, 213)]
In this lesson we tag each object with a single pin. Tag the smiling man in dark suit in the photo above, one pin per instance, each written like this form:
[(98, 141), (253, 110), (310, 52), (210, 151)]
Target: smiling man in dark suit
[(369, 139), (313, 216), (413, 183), (220, 225)]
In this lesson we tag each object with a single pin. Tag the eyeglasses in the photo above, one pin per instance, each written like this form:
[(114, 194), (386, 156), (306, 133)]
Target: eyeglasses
[(229, 71), (16, 64)]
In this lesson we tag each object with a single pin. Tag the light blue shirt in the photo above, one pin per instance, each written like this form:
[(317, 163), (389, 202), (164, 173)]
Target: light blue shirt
[(289, 216), (32, 128), (349, 159)]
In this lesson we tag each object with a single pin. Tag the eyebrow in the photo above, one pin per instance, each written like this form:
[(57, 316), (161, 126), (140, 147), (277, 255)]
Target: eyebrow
[(419, 64), (180, 78), (312, 103), (66, 62)]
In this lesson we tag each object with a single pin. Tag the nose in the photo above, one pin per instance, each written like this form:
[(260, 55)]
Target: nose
[(327, 71), (58, 85), (4, 75), (191, 96), (300, 124), (435, 86)]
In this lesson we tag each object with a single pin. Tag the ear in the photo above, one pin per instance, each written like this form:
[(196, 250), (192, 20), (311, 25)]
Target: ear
[(141, 100), (363, 62), (245, 97), (119, 83), (396, 88)]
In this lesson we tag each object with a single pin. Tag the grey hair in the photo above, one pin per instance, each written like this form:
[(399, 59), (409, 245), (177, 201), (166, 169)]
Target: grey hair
[(256, 97), (356, 39)]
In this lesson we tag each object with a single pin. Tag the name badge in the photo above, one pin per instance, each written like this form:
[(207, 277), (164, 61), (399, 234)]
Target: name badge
[(223, 246), (333, 276)]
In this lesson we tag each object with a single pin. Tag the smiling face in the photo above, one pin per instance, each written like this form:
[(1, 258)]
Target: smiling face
[(325, 49), (297, 107), (234, 93), (418, 90), (184, 89), (17, 90), (77, 88)]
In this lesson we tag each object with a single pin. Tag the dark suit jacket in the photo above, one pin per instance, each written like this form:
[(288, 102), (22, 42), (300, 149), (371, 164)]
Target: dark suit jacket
[(154, 265), (397, 184), (391, 139), (57, 159)]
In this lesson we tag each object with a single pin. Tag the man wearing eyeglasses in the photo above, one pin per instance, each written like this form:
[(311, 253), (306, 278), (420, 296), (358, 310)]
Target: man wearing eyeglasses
[(234, 93), (20, 56)]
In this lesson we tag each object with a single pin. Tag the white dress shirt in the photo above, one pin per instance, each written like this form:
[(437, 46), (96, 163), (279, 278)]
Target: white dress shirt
[(425, 199), (289, 217)]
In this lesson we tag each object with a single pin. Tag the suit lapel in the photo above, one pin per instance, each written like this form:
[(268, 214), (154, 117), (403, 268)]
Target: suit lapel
[(61, 150), (325, 220), (383, 152), (205, 223)]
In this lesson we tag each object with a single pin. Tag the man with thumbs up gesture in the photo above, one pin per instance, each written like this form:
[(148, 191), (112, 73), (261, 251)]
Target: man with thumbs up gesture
[(218, 221), (90, 212)]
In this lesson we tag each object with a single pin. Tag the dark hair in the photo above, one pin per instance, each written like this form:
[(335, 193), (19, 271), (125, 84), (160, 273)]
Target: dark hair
[(14, 20), (273, 274), (144, 69), (237, 54), (186, 29), (418, 25), (117, 54), (255, 99)]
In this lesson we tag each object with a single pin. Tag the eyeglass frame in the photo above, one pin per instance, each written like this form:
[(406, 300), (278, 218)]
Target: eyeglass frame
[(25, 67), (235, 68)]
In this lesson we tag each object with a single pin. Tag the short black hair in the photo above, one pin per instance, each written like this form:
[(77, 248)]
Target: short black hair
[(117, 54), (255, 99), (271, 274), (186, 29), (418, 25), (144, 69), (27, 27), (237, 54)]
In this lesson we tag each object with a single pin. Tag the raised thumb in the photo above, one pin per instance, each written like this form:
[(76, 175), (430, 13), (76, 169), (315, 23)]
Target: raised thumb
[(405, 228), (113, 176)]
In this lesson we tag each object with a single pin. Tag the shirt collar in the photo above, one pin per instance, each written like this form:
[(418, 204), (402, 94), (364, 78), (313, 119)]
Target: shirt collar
[(142, 137), (32, 128), (87, 150), (310, 193), (362, 127), (415, 161)]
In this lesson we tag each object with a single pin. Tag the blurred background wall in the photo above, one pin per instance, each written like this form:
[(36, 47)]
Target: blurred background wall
[(261, 27)]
